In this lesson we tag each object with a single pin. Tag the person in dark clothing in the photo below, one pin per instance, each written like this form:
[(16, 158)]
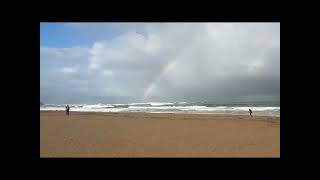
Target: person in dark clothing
[(250, 112), (67, 109)]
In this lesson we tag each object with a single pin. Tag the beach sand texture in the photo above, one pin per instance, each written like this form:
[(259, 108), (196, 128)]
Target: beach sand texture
[(97, 134)]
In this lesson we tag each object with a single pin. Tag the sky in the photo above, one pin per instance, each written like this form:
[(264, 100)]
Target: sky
[(159, 62)]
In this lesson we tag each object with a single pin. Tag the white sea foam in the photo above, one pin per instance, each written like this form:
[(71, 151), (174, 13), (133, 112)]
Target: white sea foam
[(160, 104), (98, 106), (256, 108), (162, 107)]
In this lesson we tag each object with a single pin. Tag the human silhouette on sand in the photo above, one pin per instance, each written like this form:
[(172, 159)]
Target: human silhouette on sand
[(250, 112), (67, 110)]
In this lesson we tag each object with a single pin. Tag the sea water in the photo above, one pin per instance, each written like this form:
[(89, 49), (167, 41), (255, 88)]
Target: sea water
[(258, 108)]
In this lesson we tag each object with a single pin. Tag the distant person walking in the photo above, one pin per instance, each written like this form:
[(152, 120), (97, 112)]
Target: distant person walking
[(250, 112), (67, 109)]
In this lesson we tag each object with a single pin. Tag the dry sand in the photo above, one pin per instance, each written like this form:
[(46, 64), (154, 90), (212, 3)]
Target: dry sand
[(89, 134)]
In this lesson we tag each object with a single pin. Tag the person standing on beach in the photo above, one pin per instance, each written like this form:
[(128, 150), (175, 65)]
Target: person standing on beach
[(250, 112), (67, 109)]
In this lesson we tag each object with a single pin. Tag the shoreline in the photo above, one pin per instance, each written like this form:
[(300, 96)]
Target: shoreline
[(195, 113)]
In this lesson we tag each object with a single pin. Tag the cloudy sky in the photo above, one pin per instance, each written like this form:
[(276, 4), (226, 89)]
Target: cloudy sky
[(143, 62)]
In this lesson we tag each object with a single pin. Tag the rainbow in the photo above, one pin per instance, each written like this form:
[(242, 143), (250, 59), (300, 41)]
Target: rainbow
[(164, 70)]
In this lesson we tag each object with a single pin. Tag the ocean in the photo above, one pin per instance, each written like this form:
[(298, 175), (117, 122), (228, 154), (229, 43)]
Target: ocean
[(238, 108)]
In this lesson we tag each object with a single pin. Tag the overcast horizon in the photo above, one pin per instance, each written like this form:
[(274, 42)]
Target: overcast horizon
[(159, 62)]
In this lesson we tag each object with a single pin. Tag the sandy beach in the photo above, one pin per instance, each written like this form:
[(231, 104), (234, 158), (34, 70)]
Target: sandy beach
[(90, 134)]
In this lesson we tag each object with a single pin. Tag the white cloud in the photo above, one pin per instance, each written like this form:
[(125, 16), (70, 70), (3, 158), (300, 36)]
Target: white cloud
[(64, 54), (69, 70), (211, 61)]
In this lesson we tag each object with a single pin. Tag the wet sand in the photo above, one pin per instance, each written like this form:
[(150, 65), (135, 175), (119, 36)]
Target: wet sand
[(90, 134)]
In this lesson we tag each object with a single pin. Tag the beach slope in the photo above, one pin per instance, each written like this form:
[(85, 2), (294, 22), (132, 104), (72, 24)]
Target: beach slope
[(90, 134)]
